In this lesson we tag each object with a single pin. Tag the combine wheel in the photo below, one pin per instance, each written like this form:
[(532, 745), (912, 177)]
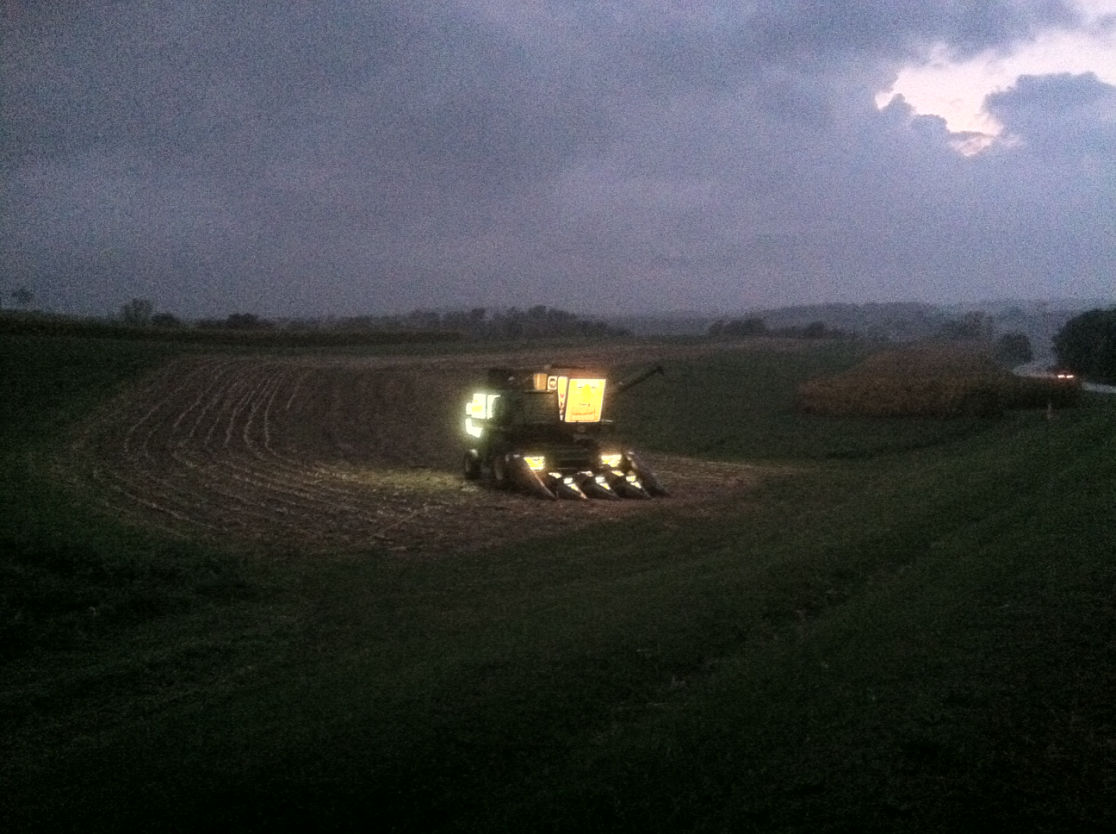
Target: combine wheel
[(472, 465), (501, 477)]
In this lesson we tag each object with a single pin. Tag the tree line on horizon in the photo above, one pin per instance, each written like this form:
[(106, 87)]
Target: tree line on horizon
[(1085, 344), (752, 326), (974, 327), (534, 322)]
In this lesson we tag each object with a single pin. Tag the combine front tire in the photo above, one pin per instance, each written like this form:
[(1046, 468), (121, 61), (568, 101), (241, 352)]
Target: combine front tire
[(471, 467), (501, 477)]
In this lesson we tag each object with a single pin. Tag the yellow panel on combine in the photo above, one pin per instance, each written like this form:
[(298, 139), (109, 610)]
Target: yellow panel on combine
[(580, 398)]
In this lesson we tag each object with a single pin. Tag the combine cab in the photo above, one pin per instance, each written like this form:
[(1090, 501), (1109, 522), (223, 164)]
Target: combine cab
[(544, 432)]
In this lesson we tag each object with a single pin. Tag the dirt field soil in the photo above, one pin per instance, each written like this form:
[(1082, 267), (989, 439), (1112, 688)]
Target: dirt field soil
[(332, 454)]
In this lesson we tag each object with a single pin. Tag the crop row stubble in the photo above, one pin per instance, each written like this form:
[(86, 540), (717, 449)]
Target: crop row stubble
[(322, 454)]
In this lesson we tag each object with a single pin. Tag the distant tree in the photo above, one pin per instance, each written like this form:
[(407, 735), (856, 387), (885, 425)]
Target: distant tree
[(753, 326), (23, 296), (246, 321), (1086, 344), (165, 320), (814, 330), (456, 320), (974, 326), (137, 312), (535, 322), (423, 320), (1013, 348), (509, 324), (739, 328)]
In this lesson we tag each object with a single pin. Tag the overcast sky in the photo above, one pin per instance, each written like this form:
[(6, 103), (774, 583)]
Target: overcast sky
[(600, 156)]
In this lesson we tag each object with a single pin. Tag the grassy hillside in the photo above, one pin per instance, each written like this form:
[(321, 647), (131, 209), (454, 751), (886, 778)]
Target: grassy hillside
[(745, 406), (909, 630)]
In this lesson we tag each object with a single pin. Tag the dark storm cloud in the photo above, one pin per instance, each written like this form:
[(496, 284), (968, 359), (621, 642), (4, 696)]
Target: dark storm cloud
[(1060, 114), (809, 30), (362, 156), (721, 48)]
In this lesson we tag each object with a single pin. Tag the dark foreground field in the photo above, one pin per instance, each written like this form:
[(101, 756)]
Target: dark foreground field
[(876, 625)]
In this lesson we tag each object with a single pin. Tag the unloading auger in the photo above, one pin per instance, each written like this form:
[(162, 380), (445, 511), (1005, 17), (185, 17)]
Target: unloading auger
[(544, 432)]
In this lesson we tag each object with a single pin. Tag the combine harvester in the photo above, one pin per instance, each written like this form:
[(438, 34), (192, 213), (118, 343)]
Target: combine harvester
[(544, 432)]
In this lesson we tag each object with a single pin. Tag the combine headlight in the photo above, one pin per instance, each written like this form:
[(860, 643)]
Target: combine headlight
[(472, 429), (611, 460), (535, 463)]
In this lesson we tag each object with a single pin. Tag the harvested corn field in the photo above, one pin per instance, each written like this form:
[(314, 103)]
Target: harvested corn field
[(328, 453)]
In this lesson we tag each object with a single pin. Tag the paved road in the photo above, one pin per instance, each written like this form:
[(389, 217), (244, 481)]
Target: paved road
[(1041, 367)]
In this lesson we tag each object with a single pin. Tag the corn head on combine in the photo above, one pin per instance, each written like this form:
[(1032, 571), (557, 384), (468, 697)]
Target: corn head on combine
[(544, 432)]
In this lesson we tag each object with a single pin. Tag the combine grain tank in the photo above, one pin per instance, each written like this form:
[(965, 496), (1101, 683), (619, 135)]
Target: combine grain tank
[(544, 432)]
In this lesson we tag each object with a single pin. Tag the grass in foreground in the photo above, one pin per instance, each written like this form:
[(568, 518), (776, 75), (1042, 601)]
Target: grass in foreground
[(69, 575), (904, 638)]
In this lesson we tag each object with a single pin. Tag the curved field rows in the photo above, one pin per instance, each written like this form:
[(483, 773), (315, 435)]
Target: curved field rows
[(325, 454)]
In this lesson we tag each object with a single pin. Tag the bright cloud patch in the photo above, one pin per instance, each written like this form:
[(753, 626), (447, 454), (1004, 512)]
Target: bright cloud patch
[(957, 90)]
